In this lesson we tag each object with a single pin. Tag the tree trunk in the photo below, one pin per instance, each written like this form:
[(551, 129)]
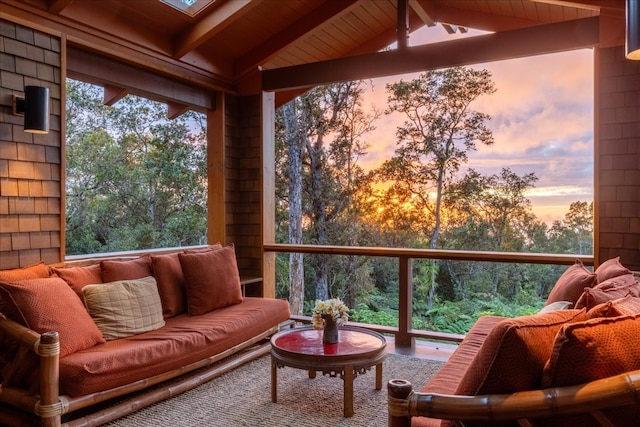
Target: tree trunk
[(296, 265)]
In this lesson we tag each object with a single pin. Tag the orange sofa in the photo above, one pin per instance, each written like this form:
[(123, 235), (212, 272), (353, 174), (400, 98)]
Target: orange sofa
[(75, 337), (576, 363)]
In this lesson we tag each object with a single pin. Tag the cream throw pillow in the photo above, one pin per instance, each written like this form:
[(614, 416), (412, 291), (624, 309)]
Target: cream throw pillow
[(125, 307)]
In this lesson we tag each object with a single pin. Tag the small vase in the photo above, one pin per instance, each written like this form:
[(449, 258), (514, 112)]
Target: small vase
[(330, 332)]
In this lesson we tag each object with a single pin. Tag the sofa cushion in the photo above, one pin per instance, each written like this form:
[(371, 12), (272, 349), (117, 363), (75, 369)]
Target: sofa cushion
[(591, 350), (114, 270), (183, 340), (79, 277), (611, 268), (617, 287), (514, 353), (168, 274), (124, 308), (212, 280), (49, 304), (571, 284)]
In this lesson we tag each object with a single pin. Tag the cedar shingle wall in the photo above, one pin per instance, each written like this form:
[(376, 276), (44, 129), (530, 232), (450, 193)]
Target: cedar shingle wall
[(30, 165), (243, 173), (619, 158)]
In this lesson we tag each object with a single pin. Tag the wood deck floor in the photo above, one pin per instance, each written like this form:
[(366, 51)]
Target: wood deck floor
[(423, 349)]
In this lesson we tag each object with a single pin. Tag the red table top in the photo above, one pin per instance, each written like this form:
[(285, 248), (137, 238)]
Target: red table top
[(308, 341)]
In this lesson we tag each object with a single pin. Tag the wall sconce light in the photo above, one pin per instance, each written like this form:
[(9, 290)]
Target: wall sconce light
[(633, 30), (35, 109)]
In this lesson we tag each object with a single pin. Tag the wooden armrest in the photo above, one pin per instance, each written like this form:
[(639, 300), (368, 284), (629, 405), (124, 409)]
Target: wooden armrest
[(23, 335), (590, 398)]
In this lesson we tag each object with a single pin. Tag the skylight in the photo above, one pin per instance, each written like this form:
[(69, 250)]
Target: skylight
[(190, 7)]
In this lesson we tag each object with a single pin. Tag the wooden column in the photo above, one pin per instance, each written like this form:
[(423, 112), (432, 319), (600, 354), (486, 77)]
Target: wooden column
[(405, 306), (216, 138), (268, 192)]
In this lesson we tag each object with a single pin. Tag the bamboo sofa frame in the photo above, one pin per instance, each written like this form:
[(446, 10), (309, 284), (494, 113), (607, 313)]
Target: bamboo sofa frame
[(49, 406), (528, 408)]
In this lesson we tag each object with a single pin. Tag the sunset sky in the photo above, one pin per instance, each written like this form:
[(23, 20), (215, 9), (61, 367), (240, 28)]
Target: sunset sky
[(541, 118)]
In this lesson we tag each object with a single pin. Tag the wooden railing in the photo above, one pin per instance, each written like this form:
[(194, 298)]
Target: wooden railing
[(405, 334)]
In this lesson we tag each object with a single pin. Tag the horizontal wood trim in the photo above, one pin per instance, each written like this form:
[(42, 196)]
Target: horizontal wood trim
[(485, 256), (543, 39)]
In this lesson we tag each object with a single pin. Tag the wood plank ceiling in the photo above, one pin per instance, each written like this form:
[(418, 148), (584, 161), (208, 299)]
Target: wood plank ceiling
[(225, 44)]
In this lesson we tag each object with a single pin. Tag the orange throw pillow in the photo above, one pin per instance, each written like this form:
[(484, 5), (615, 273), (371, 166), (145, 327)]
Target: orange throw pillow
[(571, 284), (50, 305), (35, 271), (212, 280), (79, 277)]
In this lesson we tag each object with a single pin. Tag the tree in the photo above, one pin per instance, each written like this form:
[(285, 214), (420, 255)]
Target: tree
[(439, 131), (329, 122), (135, 180), (296, 260), (433, 142), (574, 234)]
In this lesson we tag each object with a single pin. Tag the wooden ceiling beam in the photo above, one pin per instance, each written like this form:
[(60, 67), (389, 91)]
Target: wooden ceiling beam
[(327, 11), (586, 4), (118, 77), (543, 39), (210, 25)]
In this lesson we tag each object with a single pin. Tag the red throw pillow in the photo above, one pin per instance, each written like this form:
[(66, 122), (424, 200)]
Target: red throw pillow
[(79, 277), (170, 280), (611, 268), (212, 280), (627, 306), (50, 305), (112, 271), (618, 287), (571, 284)]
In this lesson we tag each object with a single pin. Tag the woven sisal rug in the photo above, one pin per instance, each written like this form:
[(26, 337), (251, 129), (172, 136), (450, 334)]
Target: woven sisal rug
[(242, 397)]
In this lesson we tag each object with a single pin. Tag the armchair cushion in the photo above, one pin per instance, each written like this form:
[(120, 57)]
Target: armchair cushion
[(617, 287), (514, 353)]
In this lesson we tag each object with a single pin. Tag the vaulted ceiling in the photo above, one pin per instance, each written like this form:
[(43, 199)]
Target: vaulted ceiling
[(223, 44)]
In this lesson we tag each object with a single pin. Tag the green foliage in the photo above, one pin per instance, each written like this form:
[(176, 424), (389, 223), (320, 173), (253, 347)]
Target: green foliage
[(134, 179)]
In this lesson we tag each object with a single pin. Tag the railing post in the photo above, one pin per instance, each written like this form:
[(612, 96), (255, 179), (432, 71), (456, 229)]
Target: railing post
[(405, 307)]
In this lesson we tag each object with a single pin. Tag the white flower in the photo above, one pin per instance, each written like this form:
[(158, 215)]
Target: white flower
[(333, 308)]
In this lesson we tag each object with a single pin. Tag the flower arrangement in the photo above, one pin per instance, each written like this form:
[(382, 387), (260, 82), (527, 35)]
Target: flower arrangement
[(332, 308)]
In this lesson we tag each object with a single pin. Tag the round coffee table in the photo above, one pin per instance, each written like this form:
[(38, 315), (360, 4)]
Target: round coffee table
[(357, 351)]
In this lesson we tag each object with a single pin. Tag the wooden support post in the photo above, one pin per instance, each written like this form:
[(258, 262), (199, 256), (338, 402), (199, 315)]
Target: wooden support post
[(403, 23), (405, 306), (397, 393), (49, 407)]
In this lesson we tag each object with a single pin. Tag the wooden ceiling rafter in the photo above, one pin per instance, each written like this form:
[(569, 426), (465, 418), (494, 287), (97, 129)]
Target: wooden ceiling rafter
[(57, 6), (211, 24), (330, 10)]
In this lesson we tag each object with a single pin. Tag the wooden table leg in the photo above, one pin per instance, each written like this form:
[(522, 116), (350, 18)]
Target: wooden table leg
[(312, 374), (348, 391), (379, 376), (274, 380)]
